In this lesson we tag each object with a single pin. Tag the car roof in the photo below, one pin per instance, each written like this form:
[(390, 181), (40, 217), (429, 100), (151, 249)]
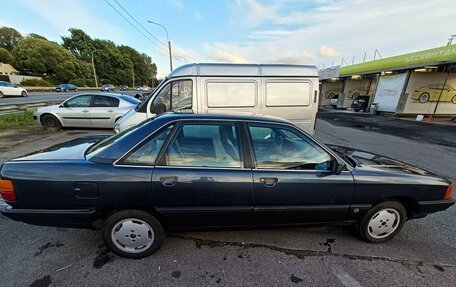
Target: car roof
[(171, 116)]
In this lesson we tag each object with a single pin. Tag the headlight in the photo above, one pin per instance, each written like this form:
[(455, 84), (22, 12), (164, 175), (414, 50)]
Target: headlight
[(117, 128)]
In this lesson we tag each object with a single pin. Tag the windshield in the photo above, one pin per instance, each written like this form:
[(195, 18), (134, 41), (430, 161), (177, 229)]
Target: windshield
[(130, 99), (146, 100), (98, 147)]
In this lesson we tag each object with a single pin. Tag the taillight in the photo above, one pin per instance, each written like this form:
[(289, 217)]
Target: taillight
[(7, 190), (449, 192)]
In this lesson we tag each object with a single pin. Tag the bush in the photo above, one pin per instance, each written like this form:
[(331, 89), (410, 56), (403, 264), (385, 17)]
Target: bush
[(83, 82), (5, 56), (36, 83), (16, 120)]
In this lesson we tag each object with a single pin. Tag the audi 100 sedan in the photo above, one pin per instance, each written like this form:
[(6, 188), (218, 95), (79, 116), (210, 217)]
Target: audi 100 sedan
[(186, 171)]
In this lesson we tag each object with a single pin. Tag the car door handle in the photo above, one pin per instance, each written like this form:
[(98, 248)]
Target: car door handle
[(85, 111), (168, 180), (269, 181)]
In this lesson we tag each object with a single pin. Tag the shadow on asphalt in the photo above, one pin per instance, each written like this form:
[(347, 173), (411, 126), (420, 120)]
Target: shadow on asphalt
[(420, 131)]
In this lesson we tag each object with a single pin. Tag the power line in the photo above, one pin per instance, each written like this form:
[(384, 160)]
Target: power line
[(148, 32), (136, 28)]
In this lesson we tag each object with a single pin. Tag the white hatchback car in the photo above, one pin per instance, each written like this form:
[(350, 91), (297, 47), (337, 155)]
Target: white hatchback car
[(8, 89), (86, 110)]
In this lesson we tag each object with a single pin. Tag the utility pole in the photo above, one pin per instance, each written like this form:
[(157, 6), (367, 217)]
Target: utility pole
[(169, 44), (133, 76), (94, 71)]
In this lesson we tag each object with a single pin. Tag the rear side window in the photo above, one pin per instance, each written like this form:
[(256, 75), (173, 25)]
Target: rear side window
[(280, 94), (231, 94), (103, 101)]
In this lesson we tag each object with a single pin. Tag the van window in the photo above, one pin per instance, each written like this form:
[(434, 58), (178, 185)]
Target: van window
[(176, 95), (287, 94), (231, 94)]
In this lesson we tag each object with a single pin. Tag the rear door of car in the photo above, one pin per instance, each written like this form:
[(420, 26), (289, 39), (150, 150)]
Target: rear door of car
[(103, 111), (200, 178), (293, 182), (76, 111)]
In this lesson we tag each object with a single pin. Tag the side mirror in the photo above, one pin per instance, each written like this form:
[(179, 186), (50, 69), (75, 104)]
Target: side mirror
[(337, 167), (65, 105)]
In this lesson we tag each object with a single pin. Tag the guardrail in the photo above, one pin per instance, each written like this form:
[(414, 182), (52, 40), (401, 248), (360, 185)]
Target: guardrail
[(51, 89), (11, 109)]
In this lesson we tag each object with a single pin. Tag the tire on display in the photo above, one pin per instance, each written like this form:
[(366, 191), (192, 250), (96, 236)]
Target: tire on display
[(51, 123), (24, 94), (424, 97), (133, 233), (383, 222)]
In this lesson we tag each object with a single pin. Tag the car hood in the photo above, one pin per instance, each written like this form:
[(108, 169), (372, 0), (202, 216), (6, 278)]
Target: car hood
[(378, 162), (69, 150), (47, 108)]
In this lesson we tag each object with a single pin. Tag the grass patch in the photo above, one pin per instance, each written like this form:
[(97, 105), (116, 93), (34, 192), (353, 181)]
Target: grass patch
[(18, 120)]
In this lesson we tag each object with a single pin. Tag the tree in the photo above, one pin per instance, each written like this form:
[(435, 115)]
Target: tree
[(33, 35), (5, 56), (9, 38), (79, 43), (40, 57)]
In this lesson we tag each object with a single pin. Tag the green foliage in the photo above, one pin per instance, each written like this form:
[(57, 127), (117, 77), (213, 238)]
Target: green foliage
[(36, 56), (16, 120), (9, 38), (35, 83), (33, 35), (83, 82), (5, 56)]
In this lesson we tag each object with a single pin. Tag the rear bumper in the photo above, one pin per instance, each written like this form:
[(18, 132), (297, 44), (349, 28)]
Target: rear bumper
[(427, 207), (78, 218)]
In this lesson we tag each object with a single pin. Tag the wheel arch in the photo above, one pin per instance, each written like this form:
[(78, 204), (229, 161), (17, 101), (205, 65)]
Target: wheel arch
[(102, 214), (52, 114)]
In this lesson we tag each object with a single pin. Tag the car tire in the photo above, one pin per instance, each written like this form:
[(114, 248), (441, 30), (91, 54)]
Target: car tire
[(424, 97), (51, 123), (133, 233), (453, 100), (357, 110), (383, 222), (1, 95), (75, 90), (355, 95), (24, 94)]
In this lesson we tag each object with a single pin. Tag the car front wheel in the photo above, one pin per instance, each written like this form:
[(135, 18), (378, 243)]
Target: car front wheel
[(24, 94), (133, 233), (424, 97), (1, 95), (50, 123), (383, 222)]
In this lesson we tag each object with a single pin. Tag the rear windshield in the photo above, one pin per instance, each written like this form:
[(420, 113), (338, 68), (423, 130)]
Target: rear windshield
[(129, 99)]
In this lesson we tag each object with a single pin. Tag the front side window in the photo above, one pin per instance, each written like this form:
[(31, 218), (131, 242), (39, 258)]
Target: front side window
[(104, 101), (80, 101), (205, 145), (147, 153), (283, 148), (174, 96)]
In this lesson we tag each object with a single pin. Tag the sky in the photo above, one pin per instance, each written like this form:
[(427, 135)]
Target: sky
[(317, 32)]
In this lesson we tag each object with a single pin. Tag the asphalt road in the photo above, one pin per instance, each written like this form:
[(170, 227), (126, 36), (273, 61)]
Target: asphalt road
[(423, 254), (36, 97)]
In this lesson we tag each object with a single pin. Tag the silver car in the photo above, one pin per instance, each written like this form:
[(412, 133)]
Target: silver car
[(86, 110)]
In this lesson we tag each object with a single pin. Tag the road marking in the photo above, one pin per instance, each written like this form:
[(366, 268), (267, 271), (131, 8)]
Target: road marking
[(344, 277)]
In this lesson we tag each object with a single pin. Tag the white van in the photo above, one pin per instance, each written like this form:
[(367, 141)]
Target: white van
[(285, 91)]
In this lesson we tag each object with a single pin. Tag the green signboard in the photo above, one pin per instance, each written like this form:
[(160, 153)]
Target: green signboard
[(446, 54)]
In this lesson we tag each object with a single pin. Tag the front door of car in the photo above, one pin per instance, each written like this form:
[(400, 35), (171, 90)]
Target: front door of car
[(293, 181), (103, 111), (75, 112), (200, 179)]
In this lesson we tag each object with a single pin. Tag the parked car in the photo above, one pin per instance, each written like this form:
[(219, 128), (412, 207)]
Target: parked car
[(66, 88), (8, 89), (360, 103), (334, 101), (431, 93), (85, 110), (278, 90), (108, 88), (190, 171), (124, 88)]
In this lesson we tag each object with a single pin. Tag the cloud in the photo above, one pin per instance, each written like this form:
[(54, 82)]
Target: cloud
[(328, 52), (221, 52)]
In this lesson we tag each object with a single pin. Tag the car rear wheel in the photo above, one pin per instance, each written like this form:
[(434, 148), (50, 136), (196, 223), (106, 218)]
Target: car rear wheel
[(133, 233), (50, 123), (383, 222), (24, 94), (424, 97)]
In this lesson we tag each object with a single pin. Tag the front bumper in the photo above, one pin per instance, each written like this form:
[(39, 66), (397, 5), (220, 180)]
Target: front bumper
[(77, 218)]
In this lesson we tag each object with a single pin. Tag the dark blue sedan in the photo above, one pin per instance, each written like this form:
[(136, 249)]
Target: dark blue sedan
[(66, 88), (185, 171)]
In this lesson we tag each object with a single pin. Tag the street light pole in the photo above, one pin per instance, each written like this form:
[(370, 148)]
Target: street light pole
[(94, 71), (169, 44)]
